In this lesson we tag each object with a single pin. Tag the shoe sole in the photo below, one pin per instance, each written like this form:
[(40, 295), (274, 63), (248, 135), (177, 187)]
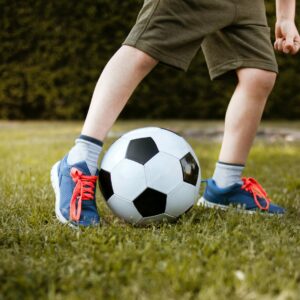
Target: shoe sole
[(55, 185), (205, 203)]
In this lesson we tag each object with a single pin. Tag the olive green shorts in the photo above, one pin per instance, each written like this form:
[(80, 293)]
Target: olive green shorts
[(232, 34)]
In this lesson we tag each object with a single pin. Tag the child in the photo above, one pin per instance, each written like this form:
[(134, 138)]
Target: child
[(233, 35)]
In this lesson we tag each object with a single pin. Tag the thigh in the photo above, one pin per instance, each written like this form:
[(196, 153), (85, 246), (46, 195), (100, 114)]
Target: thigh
[(172, 30)]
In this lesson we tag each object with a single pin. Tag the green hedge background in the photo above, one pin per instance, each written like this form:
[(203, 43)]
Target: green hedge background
[(52, 52)]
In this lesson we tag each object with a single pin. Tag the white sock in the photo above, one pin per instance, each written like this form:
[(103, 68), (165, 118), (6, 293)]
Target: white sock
[(227, 174), (86, 149)]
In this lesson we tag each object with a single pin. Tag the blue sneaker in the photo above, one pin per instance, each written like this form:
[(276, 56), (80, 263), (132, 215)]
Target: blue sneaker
[(75, 190), (249, 197)]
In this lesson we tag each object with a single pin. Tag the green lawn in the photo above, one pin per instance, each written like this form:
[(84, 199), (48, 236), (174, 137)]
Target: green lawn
[(207, 254)]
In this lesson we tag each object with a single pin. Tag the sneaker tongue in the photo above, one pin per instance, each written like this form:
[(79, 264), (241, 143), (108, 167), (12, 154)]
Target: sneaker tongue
[(82, 166)]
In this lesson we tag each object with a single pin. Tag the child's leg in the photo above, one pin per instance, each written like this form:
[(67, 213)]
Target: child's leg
[(244, 113), (74, 177), (242, 119), (117, 82)]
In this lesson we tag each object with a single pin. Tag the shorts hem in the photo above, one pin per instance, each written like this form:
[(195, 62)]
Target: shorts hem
[(162, 57), (241, 63)]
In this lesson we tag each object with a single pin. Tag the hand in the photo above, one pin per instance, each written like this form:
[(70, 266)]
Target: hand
[(287, 37)]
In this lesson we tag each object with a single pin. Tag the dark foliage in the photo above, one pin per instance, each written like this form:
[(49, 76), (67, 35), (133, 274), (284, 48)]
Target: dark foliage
[(52, 52)]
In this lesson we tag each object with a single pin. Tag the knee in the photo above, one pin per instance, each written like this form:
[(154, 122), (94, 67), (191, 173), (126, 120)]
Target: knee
[(141, 59), (260, 82)]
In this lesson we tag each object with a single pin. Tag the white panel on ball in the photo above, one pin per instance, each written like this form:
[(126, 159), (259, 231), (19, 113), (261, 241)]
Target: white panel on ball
[(141, 133), (180, 199), (156, 219), (170, 143), (115, 154), (124, 209), (128, 179), (163, 172)]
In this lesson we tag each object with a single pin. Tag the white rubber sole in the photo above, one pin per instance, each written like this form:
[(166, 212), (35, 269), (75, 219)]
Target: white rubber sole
[(55, 185), (205, 203)]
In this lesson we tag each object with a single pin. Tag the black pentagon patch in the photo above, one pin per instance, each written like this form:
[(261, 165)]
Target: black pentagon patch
[(105, 184), (151, 203), (190, 169), (141, 150)]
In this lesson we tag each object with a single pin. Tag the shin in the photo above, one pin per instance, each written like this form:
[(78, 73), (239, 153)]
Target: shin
[(244, 113), (117, 82)]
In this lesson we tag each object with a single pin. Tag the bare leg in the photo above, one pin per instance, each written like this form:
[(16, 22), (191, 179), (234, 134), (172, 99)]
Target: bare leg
[(117, 82), (244, 113)]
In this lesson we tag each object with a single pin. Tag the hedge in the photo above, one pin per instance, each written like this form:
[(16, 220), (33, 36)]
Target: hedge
[(52, 53)]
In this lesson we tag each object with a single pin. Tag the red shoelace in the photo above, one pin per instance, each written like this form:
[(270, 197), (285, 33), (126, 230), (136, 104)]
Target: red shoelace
[(84, 190), (252, 186)]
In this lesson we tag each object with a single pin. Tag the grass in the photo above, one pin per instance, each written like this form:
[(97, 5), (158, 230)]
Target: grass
[(207, 254)]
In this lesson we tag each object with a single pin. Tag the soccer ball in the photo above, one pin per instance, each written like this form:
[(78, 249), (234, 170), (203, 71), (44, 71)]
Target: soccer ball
[(149, 175)]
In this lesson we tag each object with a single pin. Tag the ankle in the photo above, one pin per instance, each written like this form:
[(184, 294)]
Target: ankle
[(227, 174), (86, 149)]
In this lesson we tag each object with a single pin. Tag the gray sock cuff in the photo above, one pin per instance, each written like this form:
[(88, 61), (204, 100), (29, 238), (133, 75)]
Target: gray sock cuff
[(226, 166), (91, 140), (85, 150), (227, 174), (230, 164), (90, 145)]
